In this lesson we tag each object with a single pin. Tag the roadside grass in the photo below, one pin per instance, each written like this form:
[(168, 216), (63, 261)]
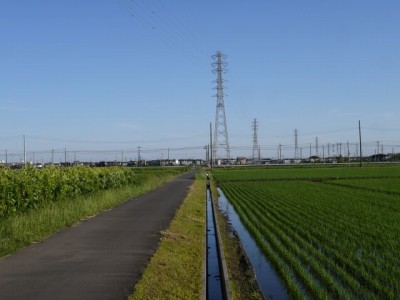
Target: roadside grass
[(176, 269), (21, 230)]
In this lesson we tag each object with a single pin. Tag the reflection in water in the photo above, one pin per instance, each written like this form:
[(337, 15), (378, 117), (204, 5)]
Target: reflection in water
[(214, 283), (270, 284)]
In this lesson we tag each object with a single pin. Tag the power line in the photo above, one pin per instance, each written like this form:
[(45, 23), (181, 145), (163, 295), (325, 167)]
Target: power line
[(52, 139), (165, 28)]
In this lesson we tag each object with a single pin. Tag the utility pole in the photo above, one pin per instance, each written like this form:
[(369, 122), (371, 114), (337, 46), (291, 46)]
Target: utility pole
[(323, 153), (211, 147), (348, 152), (24, 151), (221, 141), (316, 146), (329, 150), (279, 152), (377, 150), (139, 158), (65, 156), (206, 148), (359, 133)]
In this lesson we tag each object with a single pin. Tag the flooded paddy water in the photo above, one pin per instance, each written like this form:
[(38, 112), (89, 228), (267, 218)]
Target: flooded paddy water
[(270, 284)]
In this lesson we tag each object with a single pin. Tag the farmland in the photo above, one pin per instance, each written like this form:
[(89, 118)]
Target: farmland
[(27, 189), (328, 232), (35, 203)]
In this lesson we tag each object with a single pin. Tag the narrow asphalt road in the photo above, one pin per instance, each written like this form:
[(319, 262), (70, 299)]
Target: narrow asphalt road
[(99, 258)]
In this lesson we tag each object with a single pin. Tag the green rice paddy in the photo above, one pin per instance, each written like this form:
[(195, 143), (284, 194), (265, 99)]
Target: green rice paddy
[(329, 232)]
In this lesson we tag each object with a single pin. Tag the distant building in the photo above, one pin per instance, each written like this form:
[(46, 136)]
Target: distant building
[(241, 160)]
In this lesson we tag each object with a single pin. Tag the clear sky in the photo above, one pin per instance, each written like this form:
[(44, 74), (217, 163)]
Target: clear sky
[(118, 74)]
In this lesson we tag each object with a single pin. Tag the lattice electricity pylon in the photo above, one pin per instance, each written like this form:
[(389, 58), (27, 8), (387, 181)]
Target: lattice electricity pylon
[(221, 140), (296, 145), (256, 149)]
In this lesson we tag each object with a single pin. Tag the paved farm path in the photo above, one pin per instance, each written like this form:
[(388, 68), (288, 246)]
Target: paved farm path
[(99, 258)]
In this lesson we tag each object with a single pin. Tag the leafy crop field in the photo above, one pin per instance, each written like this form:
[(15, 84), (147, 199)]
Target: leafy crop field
[(37, 203), (329, 233), (27, 189)]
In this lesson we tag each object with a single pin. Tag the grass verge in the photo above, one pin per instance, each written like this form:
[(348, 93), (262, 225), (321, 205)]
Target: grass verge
[(175, 270), (21, 230)]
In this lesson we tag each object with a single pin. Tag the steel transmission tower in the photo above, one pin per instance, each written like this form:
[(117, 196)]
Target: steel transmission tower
[(296, 145), (255, 140), (221, 141)]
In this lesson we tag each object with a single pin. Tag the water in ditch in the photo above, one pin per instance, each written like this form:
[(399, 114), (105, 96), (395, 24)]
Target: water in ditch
[(214, 284), (269, 282)]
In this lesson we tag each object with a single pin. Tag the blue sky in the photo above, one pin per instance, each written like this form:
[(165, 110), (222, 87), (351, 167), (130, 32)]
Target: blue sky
[(103, 75)]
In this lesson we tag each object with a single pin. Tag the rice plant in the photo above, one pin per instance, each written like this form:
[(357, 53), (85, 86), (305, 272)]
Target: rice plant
[(330, 233)]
